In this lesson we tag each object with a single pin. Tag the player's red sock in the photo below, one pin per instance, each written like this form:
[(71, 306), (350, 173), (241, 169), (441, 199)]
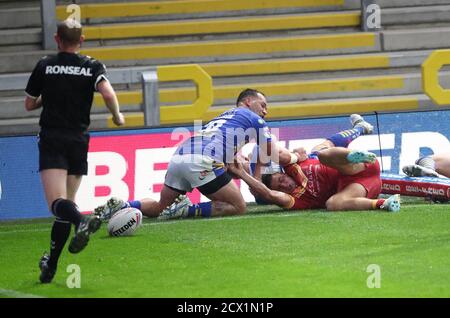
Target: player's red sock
[(376, 204)]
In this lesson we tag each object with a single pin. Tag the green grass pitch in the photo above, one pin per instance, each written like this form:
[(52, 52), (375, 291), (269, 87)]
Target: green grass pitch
[(266, 253)]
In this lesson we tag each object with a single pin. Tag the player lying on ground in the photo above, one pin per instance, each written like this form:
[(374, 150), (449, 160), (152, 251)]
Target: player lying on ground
[(184, 208), (199, 162), (430, 166), (334, 178), (340, 179)]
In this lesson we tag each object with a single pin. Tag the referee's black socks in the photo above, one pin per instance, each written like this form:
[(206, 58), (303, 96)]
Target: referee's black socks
[(66, 213), (66, 210), (60, 234)]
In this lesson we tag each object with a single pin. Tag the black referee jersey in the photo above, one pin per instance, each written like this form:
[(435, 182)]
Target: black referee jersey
[(67, 82)]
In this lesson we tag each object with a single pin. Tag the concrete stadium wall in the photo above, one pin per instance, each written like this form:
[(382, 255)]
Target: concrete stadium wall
[(274, 53)]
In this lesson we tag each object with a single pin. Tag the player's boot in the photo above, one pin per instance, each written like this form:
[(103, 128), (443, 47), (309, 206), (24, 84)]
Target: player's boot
[(358, 121), (392, 203), (419, 171), (47, 273), (107, 210), (177, 210), (358, 156), (89, 225)]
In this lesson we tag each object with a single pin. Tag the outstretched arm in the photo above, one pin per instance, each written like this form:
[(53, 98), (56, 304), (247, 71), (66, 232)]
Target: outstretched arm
[(110, 98), (258, 188)]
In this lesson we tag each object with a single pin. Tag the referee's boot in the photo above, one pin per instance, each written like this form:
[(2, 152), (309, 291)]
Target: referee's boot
[(107, 210), (88, 225), (358, 121), (47, 273)]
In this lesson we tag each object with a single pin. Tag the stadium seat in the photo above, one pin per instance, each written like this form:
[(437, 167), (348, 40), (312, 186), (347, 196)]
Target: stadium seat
[(309, 57)]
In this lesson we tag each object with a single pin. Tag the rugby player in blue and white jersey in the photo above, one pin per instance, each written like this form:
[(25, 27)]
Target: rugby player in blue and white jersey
[(436, 165), (200, 161)]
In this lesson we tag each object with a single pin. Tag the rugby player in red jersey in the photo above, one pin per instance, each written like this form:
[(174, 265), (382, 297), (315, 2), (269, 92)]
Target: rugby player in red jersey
[(335, 178)]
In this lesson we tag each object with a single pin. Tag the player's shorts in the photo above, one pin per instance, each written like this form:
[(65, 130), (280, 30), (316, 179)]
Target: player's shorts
[(370, 179), (63, 150), (189, 171)]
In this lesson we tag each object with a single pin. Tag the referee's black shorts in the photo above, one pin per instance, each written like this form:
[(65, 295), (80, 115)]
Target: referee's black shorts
[(63, 149)]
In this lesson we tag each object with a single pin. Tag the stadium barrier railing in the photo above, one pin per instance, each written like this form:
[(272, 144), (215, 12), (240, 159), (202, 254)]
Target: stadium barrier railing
[(430, 77), (154, 114)]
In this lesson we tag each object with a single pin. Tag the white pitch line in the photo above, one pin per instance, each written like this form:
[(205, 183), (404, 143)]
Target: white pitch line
[(26, 231), (16, 294), (237, 217), (256, 215)]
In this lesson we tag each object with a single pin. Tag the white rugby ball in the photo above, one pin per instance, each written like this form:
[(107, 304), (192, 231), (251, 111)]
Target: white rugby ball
[(125, 222)]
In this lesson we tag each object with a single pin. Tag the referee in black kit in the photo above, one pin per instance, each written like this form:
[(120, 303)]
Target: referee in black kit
[(63, 85)]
